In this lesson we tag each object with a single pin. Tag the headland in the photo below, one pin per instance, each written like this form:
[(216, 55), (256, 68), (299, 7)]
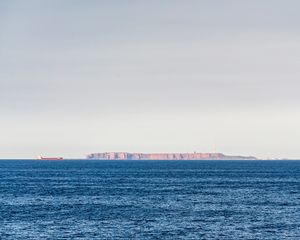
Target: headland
[(165, 156)]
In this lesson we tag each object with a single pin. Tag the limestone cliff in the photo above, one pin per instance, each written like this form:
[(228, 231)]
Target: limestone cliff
[(165, 156)]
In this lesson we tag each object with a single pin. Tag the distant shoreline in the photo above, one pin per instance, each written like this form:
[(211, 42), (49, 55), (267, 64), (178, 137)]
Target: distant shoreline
[(140, 160), (166, 156)]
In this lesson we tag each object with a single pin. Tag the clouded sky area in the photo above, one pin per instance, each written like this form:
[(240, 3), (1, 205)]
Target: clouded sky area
[(149, 76)]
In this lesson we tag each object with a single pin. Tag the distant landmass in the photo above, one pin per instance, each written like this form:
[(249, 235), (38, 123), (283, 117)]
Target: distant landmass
[(165, 156)]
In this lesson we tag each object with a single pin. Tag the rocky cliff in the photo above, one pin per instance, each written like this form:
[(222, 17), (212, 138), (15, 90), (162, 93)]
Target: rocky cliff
[(164, 156)]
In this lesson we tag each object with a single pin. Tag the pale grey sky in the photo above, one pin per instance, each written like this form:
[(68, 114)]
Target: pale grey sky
[(149, 76)]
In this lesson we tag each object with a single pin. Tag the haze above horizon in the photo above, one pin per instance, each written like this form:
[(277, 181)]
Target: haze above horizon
[(149, 76)]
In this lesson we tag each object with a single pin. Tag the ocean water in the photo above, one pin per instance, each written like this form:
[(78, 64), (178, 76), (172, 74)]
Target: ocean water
[(149, 199)]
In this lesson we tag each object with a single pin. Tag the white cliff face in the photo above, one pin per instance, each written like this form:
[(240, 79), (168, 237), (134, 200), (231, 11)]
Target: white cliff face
[(164, 156)]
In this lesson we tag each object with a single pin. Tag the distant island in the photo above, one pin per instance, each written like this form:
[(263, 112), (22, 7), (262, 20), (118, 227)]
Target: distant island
[(165, 156)]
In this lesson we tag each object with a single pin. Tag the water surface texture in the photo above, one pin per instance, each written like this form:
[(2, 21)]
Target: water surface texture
[(149, 199)]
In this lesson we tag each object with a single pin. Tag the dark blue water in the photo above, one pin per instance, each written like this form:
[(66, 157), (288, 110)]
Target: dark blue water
[(150, 200)]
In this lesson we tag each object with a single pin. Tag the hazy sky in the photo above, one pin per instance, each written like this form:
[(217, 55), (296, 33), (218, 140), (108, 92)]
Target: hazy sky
[(149, 76)]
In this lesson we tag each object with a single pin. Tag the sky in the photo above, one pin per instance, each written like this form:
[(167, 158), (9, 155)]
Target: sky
[(149, 76)]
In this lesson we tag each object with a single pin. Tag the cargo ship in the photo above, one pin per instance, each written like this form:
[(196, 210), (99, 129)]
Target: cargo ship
[(49, 158)]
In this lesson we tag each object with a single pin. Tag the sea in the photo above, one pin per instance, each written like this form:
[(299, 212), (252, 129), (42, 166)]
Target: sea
[(88, 199)]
